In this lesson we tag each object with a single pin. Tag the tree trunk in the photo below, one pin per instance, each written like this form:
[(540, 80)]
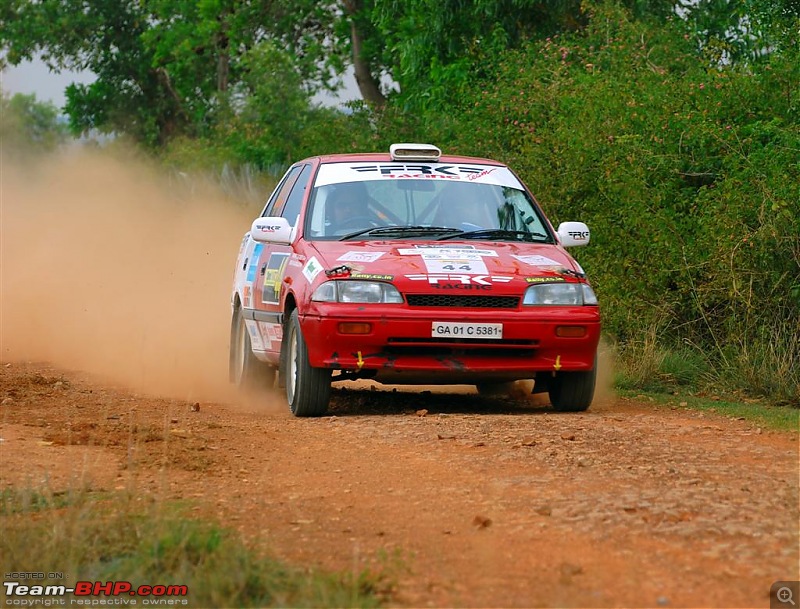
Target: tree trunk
[(367, 84), (223, 69), (223, 56)]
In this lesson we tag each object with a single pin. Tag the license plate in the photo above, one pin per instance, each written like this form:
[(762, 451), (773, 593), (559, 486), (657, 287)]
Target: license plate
[(447, 329)]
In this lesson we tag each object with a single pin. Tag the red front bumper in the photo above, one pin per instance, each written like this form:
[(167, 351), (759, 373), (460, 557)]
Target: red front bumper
[(400, 340)]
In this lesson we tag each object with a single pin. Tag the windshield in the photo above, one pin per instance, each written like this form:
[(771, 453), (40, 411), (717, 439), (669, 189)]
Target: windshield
[(340, 209)]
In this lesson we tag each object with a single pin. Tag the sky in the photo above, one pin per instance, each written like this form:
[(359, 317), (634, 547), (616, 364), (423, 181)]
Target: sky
[(35, 77)]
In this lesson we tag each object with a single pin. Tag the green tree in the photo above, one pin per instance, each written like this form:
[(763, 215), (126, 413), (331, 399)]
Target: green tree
[(688, 175), (740, 31), (29, 125), (164, 67), (131, 95), (433, 50), (267, 127)]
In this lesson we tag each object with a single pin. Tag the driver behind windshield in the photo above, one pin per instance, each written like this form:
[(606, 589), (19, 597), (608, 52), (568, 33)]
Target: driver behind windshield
[(347, 209), (466, 206)]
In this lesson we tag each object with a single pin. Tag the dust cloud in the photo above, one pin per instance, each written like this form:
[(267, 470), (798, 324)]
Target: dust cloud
[(110, 267), (604, 394)]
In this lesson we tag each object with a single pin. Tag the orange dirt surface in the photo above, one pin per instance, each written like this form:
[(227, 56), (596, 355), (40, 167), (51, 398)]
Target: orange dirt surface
[(480, 502)]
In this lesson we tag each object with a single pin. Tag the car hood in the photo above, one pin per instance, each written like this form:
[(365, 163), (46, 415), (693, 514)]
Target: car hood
[(481, 265)]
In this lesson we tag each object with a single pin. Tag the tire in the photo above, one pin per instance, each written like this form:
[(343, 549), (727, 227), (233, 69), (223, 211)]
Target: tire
[(573, 391), (495, 389), (308, 389), (244, 369)]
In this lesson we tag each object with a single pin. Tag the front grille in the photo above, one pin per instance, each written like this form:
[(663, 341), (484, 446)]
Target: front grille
[(456, 301)]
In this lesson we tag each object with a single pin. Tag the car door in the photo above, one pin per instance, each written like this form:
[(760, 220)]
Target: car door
[(270, 261)]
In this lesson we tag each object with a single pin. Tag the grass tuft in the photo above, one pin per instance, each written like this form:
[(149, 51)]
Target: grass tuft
[(117, 538)]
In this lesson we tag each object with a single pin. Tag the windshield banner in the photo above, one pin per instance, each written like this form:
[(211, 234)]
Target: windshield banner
[(334, 173)]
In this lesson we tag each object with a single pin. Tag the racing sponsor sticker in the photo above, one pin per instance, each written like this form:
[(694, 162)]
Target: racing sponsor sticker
[(537, 260), (371, 276), (481, 174), (333, 173), (465, 279), (360, 256), (544, 279), (451, 259), (456, 265), (450, 329), (251, 269), (272, 333), (255, 335), (312, 269), (273, 276), (432, 252)]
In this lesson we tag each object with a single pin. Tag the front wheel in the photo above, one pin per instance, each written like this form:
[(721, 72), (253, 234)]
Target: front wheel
[(308, 389), (573, 391)]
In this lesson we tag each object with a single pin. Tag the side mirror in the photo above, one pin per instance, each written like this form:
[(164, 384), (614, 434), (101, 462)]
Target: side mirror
[(271, 230), (573, 234)]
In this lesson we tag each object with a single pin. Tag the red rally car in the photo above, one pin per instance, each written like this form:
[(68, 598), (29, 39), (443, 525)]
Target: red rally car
[(411, 268)]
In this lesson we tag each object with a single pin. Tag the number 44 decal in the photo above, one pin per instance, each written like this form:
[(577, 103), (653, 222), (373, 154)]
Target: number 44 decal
[(460, 267)]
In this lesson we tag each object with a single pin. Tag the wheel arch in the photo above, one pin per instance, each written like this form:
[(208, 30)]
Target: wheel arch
[(236, 304), (235, 307), (289, 305)]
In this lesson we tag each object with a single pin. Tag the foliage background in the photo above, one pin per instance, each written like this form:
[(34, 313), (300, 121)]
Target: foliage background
[(671, 128)]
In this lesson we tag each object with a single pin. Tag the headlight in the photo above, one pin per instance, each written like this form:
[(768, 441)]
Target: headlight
[(557, 294), (589, 297), (357, 291)]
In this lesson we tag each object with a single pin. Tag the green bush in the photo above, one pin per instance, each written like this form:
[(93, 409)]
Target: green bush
[(29, 126), (688, 175), (687, 171)]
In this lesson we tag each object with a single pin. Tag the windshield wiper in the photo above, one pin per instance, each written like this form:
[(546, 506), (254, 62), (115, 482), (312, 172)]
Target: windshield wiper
[(498, 233), (400, 231)]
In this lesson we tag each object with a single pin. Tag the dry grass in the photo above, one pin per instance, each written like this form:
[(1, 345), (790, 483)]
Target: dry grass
[(87, 536)]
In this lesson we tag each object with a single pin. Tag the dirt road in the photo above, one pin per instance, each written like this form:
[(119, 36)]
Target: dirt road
[(112, 268), (467, 501)]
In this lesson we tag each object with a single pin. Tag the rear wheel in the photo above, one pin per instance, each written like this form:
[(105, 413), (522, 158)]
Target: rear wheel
[(245, 370), (573, 391), (308, 389)]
